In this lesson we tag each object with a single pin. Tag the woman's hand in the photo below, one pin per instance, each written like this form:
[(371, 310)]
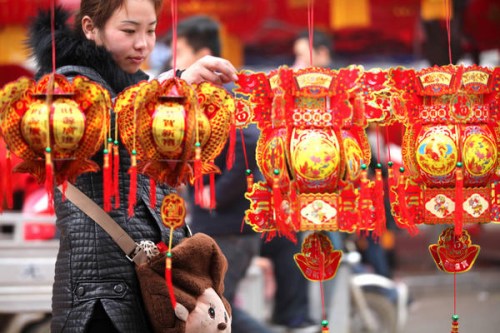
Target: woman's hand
[(212, 69)]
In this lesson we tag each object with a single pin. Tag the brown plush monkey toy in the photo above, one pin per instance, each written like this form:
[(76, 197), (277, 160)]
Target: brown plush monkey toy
[(198, 270)]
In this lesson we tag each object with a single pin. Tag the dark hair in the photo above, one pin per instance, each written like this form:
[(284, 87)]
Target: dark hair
[(101, 10), (199, 31), (320, 39)]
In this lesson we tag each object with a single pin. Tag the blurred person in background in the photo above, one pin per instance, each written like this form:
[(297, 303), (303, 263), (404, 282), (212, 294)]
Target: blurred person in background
[(198, 36), (322, 53)]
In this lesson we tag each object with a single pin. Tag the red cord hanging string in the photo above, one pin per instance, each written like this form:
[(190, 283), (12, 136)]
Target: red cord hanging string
[(53, 33), (387, 144), (448, 26), (173, 9), (454, 318), (325, 328), (248, 172), (310, 27)]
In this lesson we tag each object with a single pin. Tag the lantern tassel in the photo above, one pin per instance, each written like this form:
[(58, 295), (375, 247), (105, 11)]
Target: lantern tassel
[(49, 181), (459, 201), (379, 204), (293, 204), (107, 179), (9, 196), (198, 177), (168, 278), (363, 201), (281, 216), (168, 270), (407, 218), (250, 180), (132, 195), (111, 161), (116, 173), (152, 193), (230, 157)]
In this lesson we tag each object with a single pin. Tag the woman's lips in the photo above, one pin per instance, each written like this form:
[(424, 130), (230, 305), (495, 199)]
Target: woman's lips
[(137, 60)]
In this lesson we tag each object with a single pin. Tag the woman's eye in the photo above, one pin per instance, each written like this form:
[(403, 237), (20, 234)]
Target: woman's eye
[(127, 31), (211, 312)]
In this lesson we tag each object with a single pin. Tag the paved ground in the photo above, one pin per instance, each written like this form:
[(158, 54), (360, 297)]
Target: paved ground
[(478, 291), (478, 302)]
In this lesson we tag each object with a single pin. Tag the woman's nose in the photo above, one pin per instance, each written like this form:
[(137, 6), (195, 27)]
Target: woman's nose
[(140, 42)]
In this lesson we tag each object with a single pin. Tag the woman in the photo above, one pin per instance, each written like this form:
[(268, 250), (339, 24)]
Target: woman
[(95, 286)]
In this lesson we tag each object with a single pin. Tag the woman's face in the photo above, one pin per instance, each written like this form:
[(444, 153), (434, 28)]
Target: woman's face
[(129, 34)]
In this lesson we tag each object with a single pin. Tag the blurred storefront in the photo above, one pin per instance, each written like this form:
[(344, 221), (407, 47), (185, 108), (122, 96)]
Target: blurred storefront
[(261, 29)]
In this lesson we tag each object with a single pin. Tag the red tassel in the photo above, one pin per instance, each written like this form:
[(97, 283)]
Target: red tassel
[(132, 195), (391, 180), (277, 199), (198, 177), (249, 180), (403, 207), (212, 192), (152, 193), (364, 204), (230, 157), (116, 173), (459, 200), (111, 161), (8, 181), (168, 279), (379, 204), (294, 203), (283, 225), (106, 174), (49, 180)]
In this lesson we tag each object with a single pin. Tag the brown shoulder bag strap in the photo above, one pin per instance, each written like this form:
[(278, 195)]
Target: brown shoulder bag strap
[(96, 213)]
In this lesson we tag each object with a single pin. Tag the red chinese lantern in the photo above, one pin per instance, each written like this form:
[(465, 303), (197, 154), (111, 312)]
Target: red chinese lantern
[(450, 145), (313, 150)]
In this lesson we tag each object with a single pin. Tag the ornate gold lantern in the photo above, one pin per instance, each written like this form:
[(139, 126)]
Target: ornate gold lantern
[(54, 125)]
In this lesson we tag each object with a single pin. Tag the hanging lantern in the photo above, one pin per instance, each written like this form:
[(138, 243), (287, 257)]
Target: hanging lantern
[(450, 145), (313, 149), (174, 130), (55, 121)]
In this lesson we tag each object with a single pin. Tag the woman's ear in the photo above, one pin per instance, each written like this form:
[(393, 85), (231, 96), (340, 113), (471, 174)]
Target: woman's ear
[(89, 30)]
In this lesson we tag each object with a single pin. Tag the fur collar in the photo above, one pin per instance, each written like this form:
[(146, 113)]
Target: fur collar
[(74, 49)]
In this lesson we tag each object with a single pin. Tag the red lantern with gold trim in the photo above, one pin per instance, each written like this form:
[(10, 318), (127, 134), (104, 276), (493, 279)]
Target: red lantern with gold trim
[(313, 150), (450, 146)]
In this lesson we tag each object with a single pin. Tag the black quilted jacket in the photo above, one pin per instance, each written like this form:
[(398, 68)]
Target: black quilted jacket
[(90, 267)]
